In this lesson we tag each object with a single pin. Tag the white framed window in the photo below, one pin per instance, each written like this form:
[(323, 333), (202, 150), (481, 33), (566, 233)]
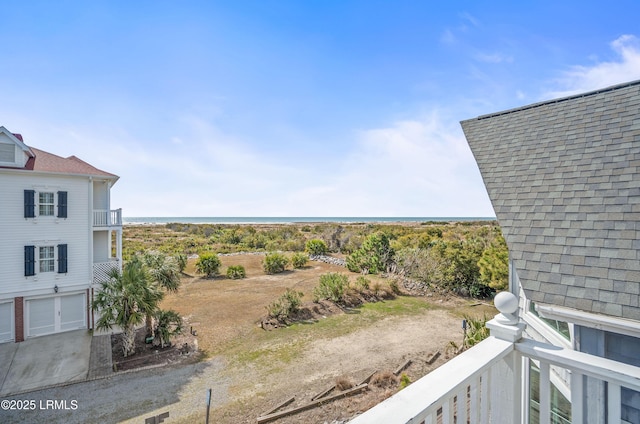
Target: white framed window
[(47, 259), (46, 203)]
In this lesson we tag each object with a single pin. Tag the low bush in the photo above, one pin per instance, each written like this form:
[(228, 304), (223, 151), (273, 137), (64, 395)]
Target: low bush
[(181, 259), (332, 287), (395, 288), (208, 264), (287, 304), (477, 330), (298, 260), (274, 263), (362, 283), (316, 247), (404, 381), (236, 272)]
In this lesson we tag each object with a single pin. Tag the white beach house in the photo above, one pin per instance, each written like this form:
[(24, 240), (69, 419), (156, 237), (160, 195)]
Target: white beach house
[(564, 180), (59, 239)]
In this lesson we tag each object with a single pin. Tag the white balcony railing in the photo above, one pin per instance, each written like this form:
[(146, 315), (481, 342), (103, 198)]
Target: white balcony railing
[(487, 384), (107, 218), (101, 270)]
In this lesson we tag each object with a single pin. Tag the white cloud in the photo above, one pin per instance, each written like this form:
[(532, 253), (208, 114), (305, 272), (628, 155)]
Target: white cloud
[(580, 79), (412, 168)]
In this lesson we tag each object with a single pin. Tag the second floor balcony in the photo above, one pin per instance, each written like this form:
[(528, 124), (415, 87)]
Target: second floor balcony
[(107, 218)]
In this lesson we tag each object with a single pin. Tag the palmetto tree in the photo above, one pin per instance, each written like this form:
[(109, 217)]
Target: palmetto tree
[(125, 300), (165, 272), (168, 324), (163, 269)]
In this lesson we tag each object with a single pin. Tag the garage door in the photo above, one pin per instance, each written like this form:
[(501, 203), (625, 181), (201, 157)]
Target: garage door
[(42, 314), (6, 322), (55, 314), (72, 313)]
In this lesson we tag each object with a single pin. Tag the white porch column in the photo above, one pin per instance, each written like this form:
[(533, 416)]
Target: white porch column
[(119, 248)]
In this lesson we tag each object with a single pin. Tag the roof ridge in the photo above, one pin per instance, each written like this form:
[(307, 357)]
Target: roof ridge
[(560, 99)]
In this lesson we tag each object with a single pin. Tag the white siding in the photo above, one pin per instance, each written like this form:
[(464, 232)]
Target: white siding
[(20, 157), (100, 195), (100, 246), (17, 232)]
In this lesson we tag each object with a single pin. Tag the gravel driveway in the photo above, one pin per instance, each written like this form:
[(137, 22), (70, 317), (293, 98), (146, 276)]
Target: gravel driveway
[(178, 390)]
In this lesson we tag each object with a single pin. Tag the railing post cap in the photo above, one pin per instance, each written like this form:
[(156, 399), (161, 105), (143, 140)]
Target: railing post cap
[(506, 302)]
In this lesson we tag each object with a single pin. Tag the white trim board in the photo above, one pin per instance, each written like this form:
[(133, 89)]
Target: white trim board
[(587, 319)]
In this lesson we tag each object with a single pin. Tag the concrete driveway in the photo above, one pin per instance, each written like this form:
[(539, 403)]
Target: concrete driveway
[(44, 361)]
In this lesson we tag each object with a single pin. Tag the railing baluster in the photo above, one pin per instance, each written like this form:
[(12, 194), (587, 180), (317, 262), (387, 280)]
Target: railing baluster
[(577, 381), (545, 393), (446, 411), (461, 406), (484, 397), (473, 401), (614, 402)]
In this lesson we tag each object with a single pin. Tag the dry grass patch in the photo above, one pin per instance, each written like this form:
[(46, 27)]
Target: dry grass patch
[(223, 310)]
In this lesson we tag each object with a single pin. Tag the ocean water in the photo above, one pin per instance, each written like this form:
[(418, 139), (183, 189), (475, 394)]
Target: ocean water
[(291, 219)]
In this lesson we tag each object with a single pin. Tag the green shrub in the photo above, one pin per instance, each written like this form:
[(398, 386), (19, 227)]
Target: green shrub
[(404, 381), (181, 259), (395, 288), (477, 330), (236, 272), (168, 324), (316, 247), (286, 305), (362, 283), (274, 263), (208, 264), (298, 260), (332, 286), (374, 256)]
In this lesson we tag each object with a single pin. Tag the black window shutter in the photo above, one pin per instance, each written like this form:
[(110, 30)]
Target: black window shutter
[(62, 258), (62, 204), (29, 260), (29, 204)]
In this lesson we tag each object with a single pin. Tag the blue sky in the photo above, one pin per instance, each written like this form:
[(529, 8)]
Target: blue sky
[(295, 108)]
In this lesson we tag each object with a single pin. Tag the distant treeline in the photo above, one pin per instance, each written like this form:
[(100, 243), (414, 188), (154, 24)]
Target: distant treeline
[(470, 258)]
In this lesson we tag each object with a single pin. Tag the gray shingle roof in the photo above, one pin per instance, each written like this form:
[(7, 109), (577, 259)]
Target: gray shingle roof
[(564, 180)]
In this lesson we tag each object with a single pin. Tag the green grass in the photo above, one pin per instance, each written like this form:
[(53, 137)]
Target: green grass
[(273, 349)]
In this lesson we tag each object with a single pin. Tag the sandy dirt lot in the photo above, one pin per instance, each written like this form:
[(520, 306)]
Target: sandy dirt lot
[(264, 368)]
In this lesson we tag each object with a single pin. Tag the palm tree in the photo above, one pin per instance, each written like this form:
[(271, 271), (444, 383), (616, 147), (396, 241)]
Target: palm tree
[(164, 271), (168, 324), (124, 301)]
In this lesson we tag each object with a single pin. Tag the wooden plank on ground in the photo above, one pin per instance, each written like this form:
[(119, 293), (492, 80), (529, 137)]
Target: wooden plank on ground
[(323, 393), (402, 367), (282, 405), (276, 415), (433, 357), (366, 380)]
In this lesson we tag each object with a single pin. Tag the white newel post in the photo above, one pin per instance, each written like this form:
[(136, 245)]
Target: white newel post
[(506, 399)]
